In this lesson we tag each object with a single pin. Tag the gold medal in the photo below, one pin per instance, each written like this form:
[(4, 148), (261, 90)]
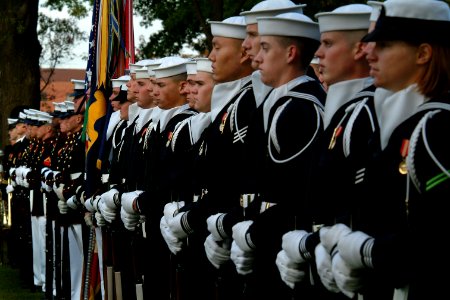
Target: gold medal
[(336, 133), (402, 168), (222, 124)]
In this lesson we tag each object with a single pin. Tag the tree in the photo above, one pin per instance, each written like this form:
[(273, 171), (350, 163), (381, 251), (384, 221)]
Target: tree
[(20, 52)]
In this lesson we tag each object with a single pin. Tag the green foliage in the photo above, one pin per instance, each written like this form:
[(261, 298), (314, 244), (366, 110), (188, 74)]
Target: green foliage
[(57, 37), (76, 8)]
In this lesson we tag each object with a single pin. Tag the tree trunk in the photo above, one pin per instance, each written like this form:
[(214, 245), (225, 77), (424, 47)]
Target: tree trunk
[(19, 59)]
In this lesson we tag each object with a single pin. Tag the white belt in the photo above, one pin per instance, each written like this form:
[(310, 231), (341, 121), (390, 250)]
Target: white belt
[(266, 205), (246, 199)]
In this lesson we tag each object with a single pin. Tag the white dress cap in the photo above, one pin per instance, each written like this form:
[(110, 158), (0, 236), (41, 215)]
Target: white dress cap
[(347, 17), (432, 10), (78, 84), (270, 8), (122, 80), (289, 24), (152, 66), (204, 65), (12, 121), (232, 27), (376, 9), (191, 67), (139, 65), (70, 105), (45, 119), (142, 73), (170, 66)]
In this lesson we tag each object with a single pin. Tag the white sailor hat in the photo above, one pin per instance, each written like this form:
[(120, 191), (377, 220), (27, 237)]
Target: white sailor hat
[(142, 73), (289, 24), (376, 9), (70, 105), (170, 66), (347, 17), (412, 21), (232, 27), (139, 65), (12, 121), (270, 8), (122, 80), (204, 65), (152, 66), (191, 67), (78, 84)]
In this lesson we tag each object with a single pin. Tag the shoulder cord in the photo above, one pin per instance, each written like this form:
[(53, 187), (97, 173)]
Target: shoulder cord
[(176, 131), (240, 133), (147, 134), (272, 136), (346, 138), (421, 130)]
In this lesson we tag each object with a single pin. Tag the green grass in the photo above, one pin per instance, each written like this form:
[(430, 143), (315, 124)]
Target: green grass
[(11, 287)]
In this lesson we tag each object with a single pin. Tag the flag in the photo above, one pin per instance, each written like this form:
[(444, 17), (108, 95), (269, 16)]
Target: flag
[(110, 51)]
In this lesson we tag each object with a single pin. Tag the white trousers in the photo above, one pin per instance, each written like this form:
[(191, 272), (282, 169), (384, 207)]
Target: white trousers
[(38, 239)]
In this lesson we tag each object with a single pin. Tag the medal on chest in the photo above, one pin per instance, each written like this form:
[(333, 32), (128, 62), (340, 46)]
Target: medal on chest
[(222, 123), (402, 167)]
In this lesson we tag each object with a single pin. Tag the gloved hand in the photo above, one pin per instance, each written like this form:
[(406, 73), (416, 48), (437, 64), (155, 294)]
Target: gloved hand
[(25, 173), (63, 208), (324, 268), (242, 259), (128, 201), (88, 219), (58, 189), (91, 204), (108, 214), (9, 188), (242, 237), (180, 226), (48, 177), (348, 280), (130, 221), (290, 271), (355, 249), (291, 244), (175, 244), (18, 176), (171, 209), (73, 202), (218, 252), (215, 226), (330, 236), (99, 219), (111, 200)]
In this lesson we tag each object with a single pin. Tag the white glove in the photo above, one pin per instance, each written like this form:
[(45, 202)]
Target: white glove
[(59, 191), (88, 219), (100, 220), (290, 271), (111, 199), (355, 249), (330, 236), (291, 244), (44, 183), (130, 221), (25, 182), (242, 237), (218, 254), (73, 202), (90, 205), (323, 263), (242, 259), (63, 208), (171, 209), (348, 281), (175, 244), (179, 225), (215, 226), (109, 214), (18, 172), (9, 188), (128, 201)]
